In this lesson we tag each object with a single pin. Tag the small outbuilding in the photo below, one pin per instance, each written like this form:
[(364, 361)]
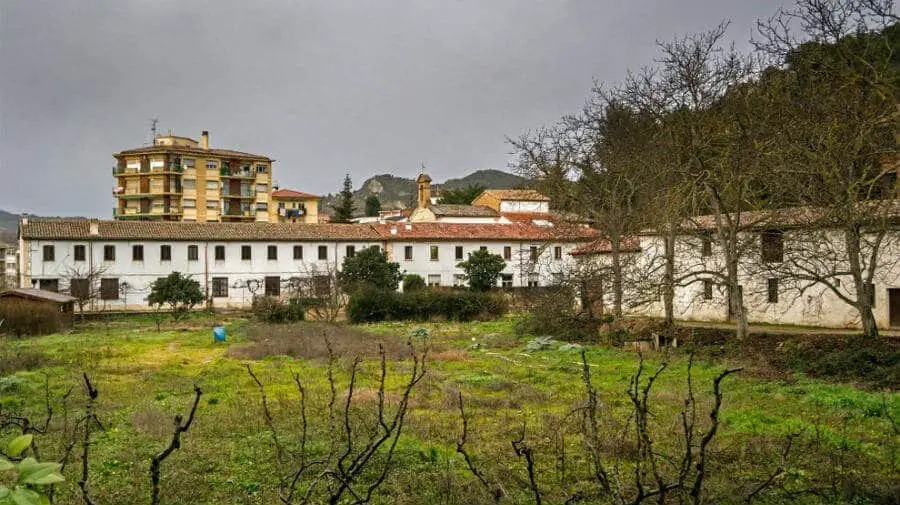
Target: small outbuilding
[(40, 301)]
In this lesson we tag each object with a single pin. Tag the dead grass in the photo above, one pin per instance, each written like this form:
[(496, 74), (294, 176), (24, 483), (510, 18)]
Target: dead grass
[(451, 355), (22, 360), (307, 341), (152, 421)]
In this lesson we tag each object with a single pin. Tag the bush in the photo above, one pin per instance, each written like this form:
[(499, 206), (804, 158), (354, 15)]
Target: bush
[(21, 318), (373, 305), (553, 314), (413, 282), (369, 267), (482, 269), (274, 310)]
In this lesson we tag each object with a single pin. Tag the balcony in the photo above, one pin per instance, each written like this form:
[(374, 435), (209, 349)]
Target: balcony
[(237, 174), (140, 196)]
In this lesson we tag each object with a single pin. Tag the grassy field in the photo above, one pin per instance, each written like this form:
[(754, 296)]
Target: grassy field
[(845, 447)]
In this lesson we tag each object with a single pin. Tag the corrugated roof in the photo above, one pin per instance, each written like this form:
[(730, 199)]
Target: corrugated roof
[(515, 194), (38, 294), (454, 210), (72, 229), (199, 151), (290, 193)]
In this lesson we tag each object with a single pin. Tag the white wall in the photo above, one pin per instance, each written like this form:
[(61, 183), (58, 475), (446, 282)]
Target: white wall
[(524, 206)]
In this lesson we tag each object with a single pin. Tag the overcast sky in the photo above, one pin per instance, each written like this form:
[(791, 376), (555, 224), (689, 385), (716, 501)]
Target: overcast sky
[(323, 86)]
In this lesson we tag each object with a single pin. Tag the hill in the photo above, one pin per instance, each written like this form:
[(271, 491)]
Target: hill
[(400, 192), (9, 224)]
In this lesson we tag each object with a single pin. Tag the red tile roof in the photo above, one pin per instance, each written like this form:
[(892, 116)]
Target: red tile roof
[(468, 231), (602, 246), (290, 193)]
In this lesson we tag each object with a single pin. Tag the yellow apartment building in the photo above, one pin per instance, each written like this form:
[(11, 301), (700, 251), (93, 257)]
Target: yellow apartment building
[(180, 179), (289, 206)]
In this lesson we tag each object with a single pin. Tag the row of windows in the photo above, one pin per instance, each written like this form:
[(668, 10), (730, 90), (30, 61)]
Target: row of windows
[(771, 246), (772, 290), (193, 252), (214, 165), (434, 252)]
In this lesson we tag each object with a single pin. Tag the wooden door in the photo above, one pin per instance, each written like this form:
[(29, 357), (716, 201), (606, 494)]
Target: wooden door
[(894, 307)]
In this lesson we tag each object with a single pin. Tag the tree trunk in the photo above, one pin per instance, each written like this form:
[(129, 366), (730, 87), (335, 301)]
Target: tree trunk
[(735, 298), (863, 294), (669, 284), (616, 247)]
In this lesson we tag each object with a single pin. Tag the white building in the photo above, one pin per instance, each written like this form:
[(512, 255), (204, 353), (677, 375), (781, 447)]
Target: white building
[(236, 261), (9, 266), (778, 261)]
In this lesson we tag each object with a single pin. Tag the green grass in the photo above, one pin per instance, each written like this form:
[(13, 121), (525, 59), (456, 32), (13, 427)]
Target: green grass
[(145, 377)]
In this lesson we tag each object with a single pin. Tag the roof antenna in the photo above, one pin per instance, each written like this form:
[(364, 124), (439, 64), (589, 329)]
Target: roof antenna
[(153, 123)]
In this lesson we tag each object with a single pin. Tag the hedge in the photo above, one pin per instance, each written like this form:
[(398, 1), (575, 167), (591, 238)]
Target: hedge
[(373, 305)]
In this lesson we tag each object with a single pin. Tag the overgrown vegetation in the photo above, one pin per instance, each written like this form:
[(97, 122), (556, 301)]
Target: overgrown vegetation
[(371, 305), (270, 309), (796, 439)]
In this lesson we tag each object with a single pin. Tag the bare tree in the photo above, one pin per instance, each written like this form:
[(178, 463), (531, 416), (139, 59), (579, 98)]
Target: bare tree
[(359, 456), (835, 72), (83, 284)]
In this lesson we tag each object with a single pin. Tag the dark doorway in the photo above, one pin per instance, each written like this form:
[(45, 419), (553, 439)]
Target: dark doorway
[(894, 307)]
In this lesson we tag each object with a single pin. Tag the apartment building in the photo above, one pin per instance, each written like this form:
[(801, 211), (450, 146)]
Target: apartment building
[(289, 206), (9, 266), (180, 179)]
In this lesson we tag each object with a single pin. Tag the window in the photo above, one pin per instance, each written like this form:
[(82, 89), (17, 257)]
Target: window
[(212, 204), (434, 279), (220, 287), (298, 252), (49, 285), (246, 252), (706, 245), (351, 251), (212, 185), (220, 253), (49, 253), (262, 188), (79, 288), (459, 252), (272, 252), (212, 165), (533, 280), (557, 252), (507, 252), (165, 253), (408, 253), (262, 206), (772, 289), (434, 253), (193, 253), (109, 253), (137, 253), (323, 252), (262, 169), (109, 289), (189, 184), (707, 289), (772, 247), (187, 163), (79, 253), (273, 286), (534, 253), (459, 280), (189, 203), (506, 280)]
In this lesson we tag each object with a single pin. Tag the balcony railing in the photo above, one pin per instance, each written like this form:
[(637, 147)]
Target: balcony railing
[(236, 174)]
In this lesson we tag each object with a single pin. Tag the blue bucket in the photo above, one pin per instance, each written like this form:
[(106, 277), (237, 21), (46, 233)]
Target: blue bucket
[(219, 333)]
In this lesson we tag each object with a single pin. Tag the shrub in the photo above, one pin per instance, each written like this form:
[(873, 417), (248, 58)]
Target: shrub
[(19, 318), (274, 310), (179, 292), (369, 267), (553, 314), (413, 282), (372, 305), (482, 269)]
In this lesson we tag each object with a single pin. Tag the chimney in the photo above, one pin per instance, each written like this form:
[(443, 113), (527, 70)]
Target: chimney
[(94, 229), (424, 191), (204, 139)]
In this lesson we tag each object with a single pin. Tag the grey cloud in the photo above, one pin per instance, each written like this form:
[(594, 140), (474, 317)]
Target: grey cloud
[(323, 86)]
